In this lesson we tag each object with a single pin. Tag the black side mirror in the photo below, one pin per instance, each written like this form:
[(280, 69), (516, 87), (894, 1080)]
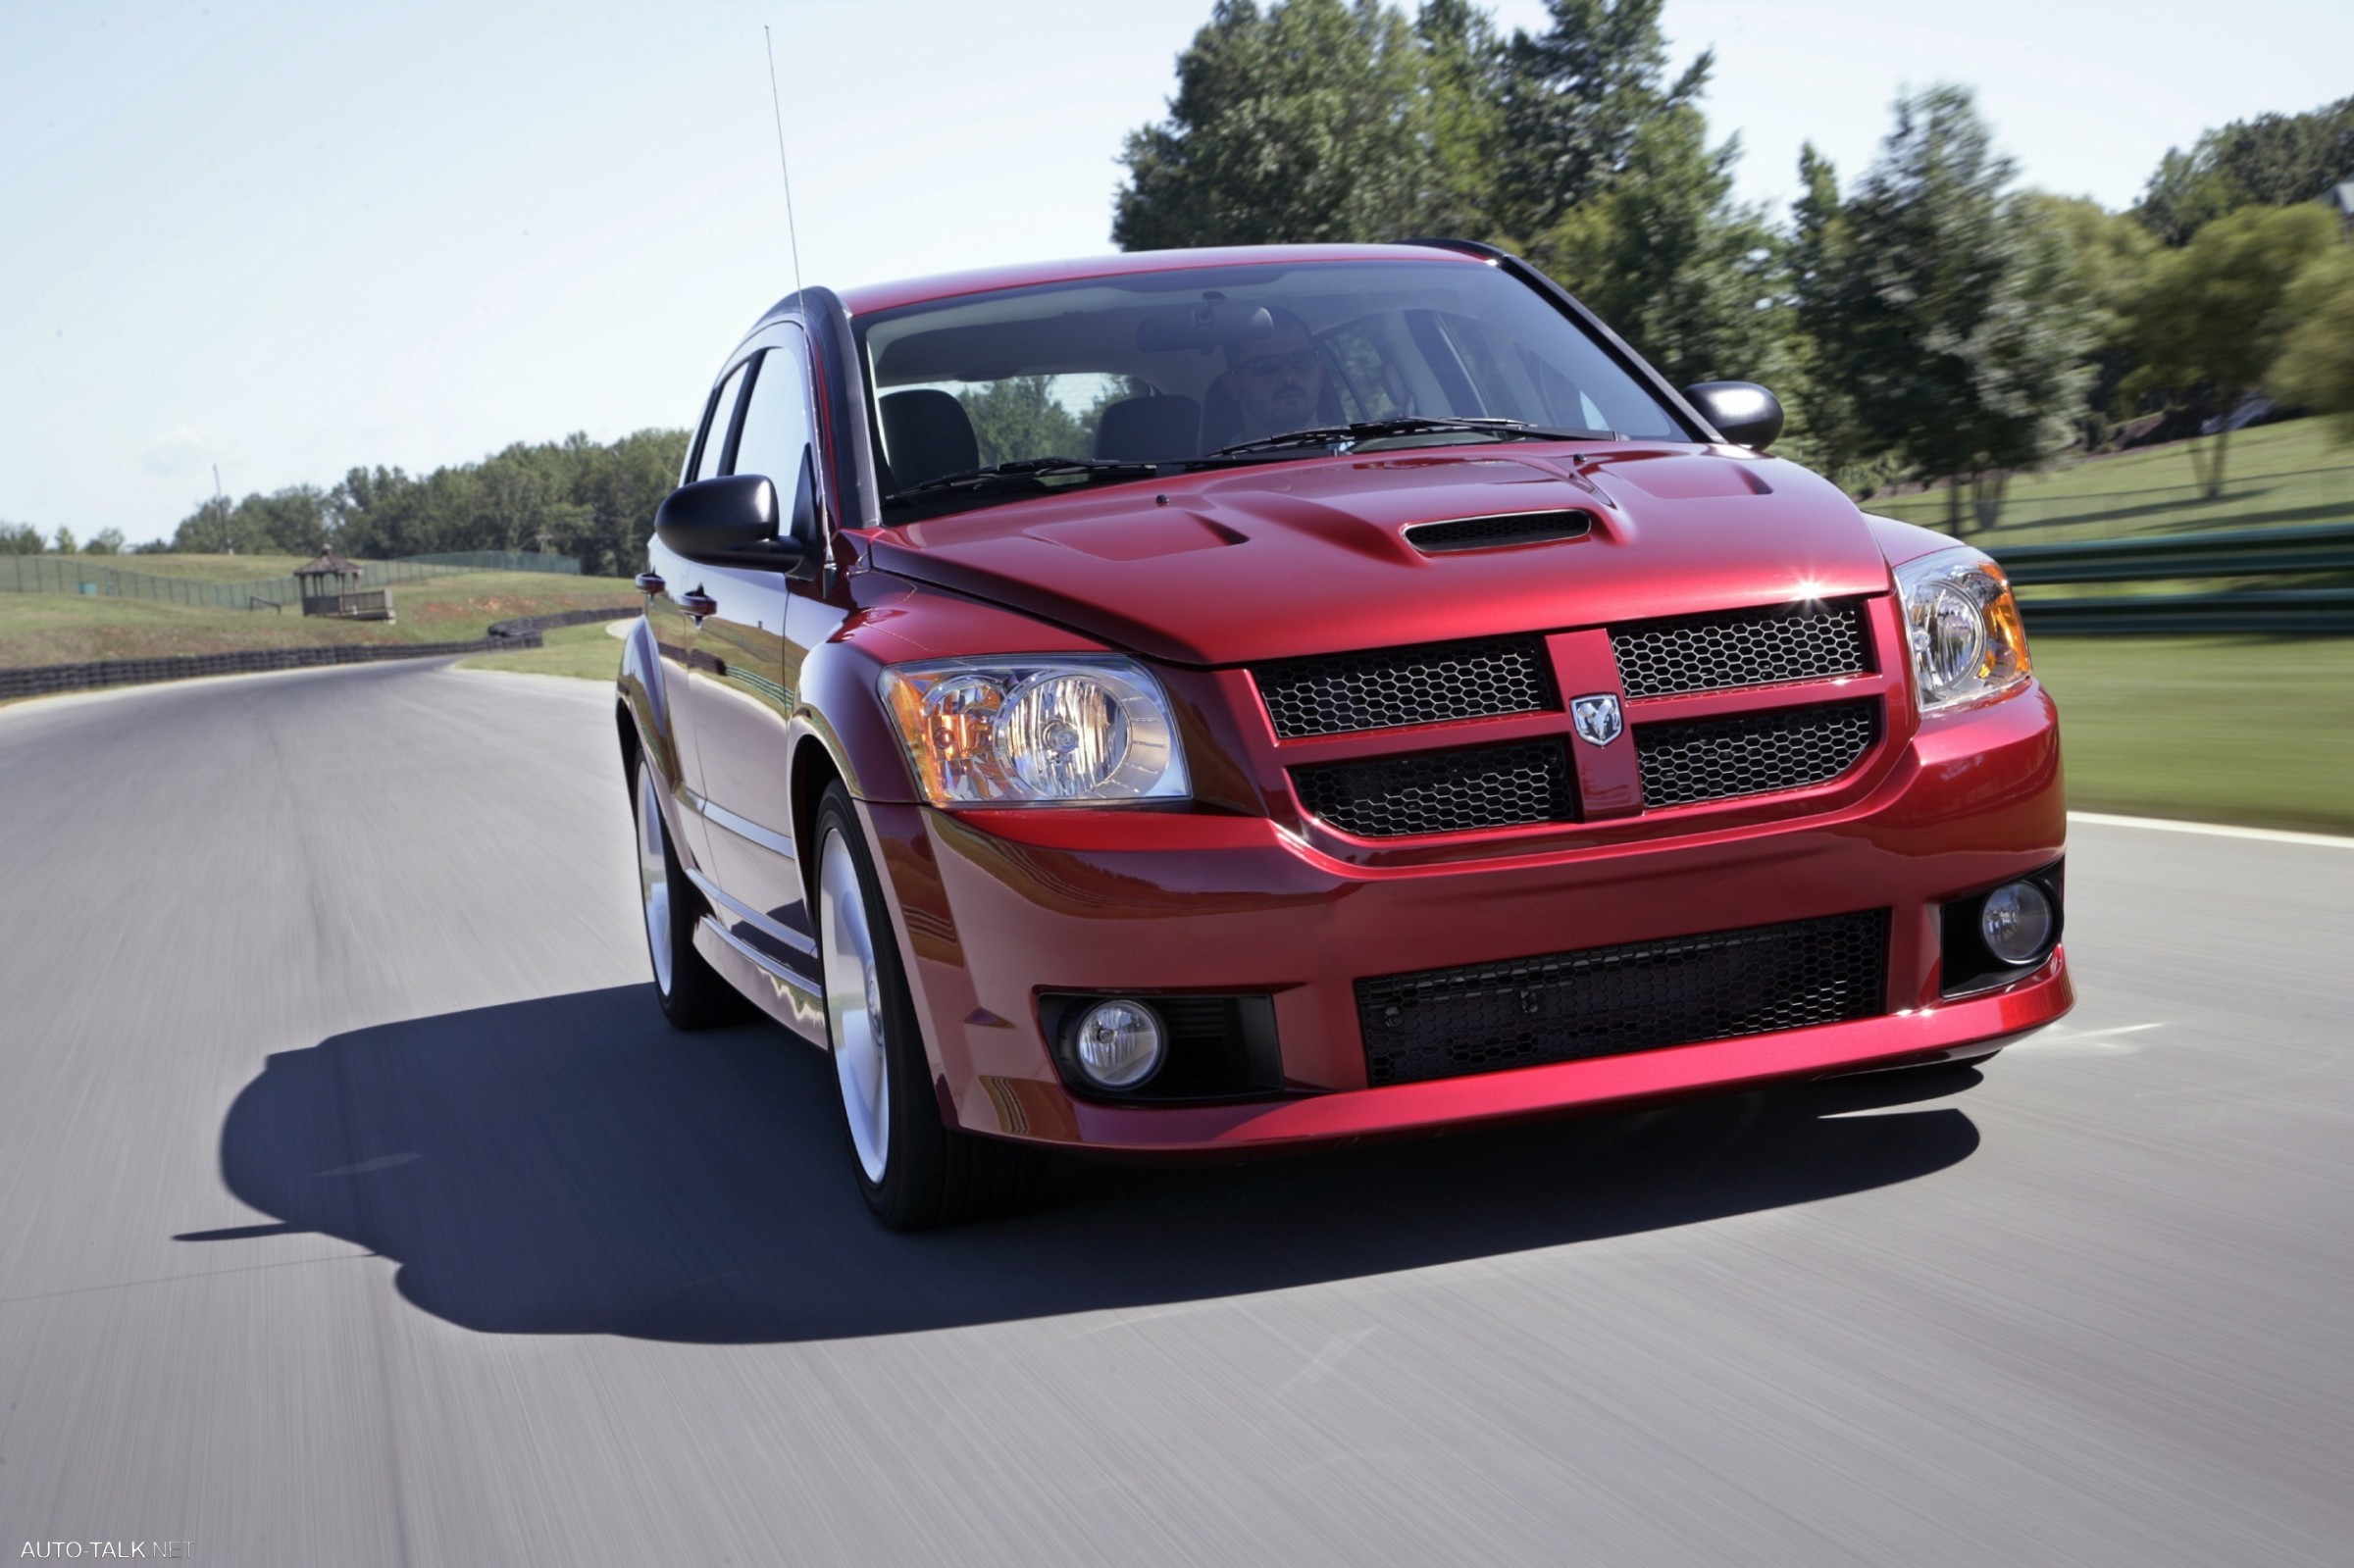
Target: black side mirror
[(731, 521), (1744, 413)]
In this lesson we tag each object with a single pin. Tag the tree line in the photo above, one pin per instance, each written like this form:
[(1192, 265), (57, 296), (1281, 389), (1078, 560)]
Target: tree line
[(572, 497), (1927, 320)]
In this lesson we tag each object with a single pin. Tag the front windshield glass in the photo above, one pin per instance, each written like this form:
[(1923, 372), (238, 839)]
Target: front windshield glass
[(1173, 366)]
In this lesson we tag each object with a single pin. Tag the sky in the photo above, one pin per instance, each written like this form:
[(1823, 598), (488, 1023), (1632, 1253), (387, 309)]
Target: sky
[(290, 239)]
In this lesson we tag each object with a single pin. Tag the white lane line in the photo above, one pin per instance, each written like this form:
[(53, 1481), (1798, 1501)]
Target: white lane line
[(2323, 840), (1321, 1364)]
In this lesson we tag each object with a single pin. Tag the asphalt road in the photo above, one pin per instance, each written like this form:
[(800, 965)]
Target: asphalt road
[(357, 1207)]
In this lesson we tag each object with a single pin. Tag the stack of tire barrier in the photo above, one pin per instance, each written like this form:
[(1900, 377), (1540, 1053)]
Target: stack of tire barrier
[(43, 680)]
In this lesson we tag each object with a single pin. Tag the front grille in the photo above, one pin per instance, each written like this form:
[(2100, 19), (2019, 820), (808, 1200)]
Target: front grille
[(1345, 691), (1743, 648), (1605, 1001), (1441, 791), (1751, 753), (1495, 532)]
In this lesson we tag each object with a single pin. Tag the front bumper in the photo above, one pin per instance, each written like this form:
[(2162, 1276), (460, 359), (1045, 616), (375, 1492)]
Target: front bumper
[(994, 908)]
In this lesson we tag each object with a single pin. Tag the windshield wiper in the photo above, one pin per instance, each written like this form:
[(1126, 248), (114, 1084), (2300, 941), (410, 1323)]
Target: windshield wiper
[(1343, 436), (1046, 472)]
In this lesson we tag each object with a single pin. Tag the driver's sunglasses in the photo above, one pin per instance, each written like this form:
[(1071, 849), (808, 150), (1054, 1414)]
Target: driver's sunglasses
[(1298, 362)]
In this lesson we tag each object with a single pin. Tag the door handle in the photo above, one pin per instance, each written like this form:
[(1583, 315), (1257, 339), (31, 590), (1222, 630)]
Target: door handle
[(697, 603), (649, 582)]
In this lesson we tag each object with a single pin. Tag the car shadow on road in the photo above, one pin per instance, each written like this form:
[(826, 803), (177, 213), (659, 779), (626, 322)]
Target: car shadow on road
[(570, 1166)]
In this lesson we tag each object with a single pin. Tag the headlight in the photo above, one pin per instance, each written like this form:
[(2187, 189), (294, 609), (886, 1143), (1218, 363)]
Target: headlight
[(1963, 628), (1045, 731)]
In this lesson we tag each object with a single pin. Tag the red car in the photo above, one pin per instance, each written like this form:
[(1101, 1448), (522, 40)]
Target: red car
[(1215, 700)]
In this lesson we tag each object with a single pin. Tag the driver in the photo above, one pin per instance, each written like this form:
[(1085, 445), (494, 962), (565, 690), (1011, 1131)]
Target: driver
[(1277, 381)]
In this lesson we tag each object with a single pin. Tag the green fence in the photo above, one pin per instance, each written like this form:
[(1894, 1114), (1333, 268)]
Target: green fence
[(2283, 579), (67, 574)]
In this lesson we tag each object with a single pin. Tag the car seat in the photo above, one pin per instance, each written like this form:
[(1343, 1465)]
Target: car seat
[(927, 433), (1149, 429)]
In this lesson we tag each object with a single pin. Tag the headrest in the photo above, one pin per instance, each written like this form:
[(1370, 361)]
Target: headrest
[(927, 433), (1150, 429)]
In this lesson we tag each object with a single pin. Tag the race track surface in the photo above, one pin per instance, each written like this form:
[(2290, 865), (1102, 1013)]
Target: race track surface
[(357, 1207)]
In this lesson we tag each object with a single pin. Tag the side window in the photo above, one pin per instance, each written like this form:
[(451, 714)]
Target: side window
[(716, 424), (776, 420), (1372, 387)]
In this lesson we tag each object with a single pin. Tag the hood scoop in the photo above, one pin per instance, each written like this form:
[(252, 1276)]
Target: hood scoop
[(1498, 533)]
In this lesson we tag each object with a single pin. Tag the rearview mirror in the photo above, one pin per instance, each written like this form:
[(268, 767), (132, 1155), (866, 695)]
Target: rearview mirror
[(731, 521), (1744, 413), (1212, 323)]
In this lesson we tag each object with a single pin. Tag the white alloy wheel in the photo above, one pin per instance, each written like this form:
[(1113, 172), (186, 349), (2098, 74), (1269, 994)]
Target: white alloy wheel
[(653, 876), (854, 1005)]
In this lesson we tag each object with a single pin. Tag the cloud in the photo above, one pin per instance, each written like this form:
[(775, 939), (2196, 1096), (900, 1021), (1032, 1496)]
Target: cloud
[(182, 449)]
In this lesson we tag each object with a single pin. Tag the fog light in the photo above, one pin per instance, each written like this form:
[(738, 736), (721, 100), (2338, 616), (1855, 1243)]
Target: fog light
[(1119, 1045), (2016, 923)]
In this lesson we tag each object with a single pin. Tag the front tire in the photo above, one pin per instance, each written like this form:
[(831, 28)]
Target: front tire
[(913, 1171), (692, 993)]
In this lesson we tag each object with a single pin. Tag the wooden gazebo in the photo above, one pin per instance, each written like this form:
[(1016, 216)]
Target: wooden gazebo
[(331, 586)]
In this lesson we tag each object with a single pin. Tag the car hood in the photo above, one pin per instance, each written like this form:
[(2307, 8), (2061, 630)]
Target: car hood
[(1280, 560)]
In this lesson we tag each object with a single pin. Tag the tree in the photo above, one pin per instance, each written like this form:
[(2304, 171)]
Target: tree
[(1019, 416), (66, 542), (2213, 315), (1942, 311), (2106, 258), (19, 538), (1576, 99), (1301, 122), (1670, 261), (2271, 161), (106, 541), (2316, 367)]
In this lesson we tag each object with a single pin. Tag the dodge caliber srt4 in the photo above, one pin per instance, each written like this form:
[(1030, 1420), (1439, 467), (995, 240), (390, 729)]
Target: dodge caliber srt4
[(1201, 702)]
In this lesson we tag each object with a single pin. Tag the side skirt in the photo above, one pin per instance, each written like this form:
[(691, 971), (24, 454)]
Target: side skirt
[(774, 989)]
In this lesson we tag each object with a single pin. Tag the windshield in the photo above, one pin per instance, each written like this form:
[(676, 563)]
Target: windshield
[(1175, 366)]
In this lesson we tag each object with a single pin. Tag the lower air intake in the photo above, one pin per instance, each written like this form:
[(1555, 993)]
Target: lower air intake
[(1607, 1002)]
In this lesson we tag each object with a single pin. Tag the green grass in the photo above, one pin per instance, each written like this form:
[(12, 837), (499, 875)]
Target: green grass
[(2293, 472), (583, 652), (70, 628), (2257, 731)]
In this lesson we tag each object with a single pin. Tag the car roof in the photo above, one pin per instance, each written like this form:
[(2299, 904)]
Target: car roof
[(948, 285)]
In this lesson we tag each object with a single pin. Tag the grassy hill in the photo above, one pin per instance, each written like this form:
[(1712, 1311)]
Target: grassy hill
[(2293, 472)]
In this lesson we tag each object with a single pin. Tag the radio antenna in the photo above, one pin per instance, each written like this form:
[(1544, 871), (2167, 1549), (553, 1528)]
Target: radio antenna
[(776, 103)]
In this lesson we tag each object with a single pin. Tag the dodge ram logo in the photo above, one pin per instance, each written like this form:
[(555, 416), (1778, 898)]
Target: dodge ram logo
[(1597, 718)]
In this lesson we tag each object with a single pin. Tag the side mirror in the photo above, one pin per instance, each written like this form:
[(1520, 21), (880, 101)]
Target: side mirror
[(731, 521), (1744, 413)]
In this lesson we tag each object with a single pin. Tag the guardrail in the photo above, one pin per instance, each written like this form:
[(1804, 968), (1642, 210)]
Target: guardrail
[(57, 574), (47, 679), (2299, 608)]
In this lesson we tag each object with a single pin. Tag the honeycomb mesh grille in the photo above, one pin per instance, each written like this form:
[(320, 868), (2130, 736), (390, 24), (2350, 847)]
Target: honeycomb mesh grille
[(1431, 685), (1751, 753), (1441, 791), (1747, 648), (1605, 1001), (1495, 532)]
